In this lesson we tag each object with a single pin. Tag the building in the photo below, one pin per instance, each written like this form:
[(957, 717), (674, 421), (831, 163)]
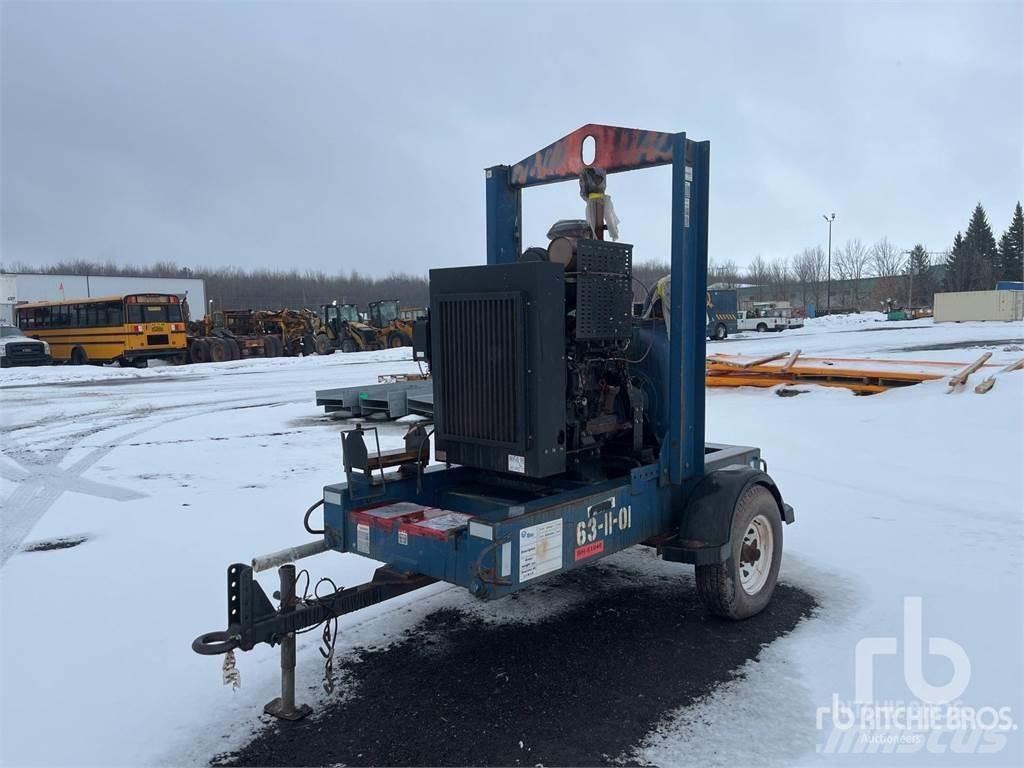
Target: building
[(21, 288)]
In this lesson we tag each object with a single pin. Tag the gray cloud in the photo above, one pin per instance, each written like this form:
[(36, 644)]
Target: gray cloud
[(345, 136)]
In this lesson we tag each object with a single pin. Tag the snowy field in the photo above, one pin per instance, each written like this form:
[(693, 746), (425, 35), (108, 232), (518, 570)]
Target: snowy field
[(169, 474)]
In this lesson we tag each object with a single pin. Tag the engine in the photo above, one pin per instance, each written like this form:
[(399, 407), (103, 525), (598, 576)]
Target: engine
[(533, 363)]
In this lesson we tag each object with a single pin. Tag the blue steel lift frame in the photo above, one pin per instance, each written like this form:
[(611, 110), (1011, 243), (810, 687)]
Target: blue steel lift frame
[(515, 531)]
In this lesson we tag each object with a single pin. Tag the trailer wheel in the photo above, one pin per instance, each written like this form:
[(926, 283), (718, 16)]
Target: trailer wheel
[(270, 346), (721, 332), (348, 345), (323, 346), (234, 349), (398, 339), (742, 585), (219, 351), (79, 356), (199, 351)]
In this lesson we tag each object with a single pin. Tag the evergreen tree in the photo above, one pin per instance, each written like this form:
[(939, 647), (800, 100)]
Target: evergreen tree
[(956, 262), (1011, 249), (920, 282), (981, 254)]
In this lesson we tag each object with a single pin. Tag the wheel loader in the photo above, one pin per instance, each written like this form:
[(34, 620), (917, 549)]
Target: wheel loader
[(393, 329), (340, 327)]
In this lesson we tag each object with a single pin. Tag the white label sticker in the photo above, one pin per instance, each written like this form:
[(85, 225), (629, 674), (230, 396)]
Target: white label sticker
[(540, 550), (506, 559), (403, 536), (517, 463), (332, 498), (363, 537)]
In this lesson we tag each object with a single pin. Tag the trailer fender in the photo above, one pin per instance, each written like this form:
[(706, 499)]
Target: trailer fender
[(705, 525)]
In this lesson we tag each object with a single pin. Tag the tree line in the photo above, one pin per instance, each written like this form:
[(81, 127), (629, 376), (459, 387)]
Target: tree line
[(863, 276), (234, 288), (976, 262)]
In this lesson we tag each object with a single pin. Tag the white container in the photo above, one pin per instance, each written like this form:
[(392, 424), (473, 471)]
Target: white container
[(979, 305)]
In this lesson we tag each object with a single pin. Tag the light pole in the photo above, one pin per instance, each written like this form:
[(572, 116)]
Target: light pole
[(209, 308), (828, 283)]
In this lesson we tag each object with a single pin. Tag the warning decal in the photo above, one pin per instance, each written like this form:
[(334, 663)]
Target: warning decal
[(588, 550), (540, 550)]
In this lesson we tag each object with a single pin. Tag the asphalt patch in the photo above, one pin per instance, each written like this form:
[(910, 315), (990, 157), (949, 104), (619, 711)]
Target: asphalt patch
[(980, 344), (582, 687)]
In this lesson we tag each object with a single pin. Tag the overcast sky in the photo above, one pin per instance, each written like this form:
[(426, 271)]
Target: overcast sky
[(345, 136)]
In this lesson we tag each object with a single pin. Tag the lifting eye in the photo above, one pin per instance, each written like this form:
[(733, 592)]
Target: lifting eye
[(588, 150)]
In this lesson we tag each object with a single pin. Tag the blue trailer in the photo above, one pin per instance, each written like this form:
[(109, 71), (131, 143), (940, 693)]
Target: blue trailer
[(567, 426), (722, 314)]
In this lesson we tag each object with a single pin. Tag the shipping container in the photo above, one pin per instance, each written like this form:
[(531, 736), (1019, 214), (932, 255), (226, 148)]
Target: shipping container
[(979, 305)]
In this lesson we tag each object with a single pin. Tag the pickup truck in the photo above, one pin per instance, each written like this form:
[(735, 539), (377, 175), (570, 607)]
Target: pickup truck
[(764, 321), (18, 349)]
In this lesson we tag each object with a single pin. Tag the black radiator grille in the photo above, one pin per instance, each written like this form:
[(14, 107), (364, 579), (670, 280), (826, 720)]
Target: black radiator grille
[(481, 394)]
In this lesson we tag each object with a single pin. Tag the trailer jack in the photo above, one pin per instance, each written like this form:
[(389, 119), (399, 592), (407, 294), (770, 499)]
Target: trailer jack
[(252, 619)]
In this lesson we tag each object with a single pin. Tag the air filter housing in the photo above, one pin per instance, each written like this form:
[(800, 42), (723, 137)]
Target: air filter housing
[(497, 354)]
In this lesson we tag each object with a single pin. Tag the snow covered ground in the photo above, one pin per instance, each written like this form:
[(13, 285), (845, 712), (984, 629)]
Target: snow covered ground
[(171, 473)]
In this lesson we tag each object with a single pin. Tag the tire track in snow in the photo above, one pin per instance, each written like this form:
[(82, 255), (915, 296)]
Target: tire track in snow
[(41, 481)]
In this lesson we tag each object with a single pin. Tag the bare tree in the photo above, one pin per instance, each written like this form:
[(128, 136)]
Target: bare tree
[(757, 274), (779, 277), (886, 259), (803, 271), (809, 267), (886, 263), (727, 272), (852, 262)]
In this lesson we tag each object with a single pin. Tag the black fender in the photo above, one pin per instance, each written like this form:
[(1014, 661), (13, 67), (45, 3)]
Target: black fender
[(705, 523)]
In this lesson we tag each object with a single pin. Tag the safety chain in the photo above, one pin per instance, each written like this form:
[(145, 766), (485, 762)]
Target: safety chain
[(229, 671)]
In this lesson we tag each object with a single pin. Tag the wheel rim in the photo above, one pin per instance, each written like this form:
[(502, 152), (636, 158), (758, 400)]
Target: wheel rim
[(756, 555)]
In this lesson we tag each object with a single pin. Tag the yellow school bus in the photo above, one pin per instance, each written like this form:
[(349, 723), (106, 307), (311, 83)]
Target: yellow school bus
[(131, 329)]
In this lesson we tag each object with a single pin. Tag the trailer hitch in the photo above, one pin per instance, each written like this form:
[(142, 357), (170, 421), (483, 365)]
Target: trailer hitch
[(252, 618)]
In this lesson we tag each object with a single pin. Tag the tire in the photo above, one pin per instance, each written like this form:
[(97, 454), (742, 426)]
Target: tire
[(140, 364), (721, 332), (79, 356), (348, 345), (236, 351), (219, 351), (269, 347), (738, 588), (199, 351), (761, 328), (278, 343), (323, 346), (398, 339)]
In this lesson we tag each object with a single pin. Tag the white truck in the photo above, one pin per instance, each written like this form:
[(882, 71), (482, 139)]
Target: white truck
[(767, 316)]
